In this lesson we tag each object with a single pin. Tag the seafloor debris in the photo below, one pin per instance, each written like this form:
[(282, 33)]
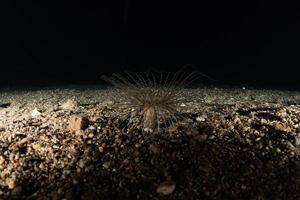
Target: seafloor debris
[(166, 188), (78, 122)]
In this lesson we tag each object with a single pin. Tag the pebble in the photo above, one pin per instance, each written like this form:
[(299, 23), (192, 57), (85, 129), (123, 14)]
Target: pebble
[(81, 164), (92, 128), (70, 104), (106, 165), (36, 146), (282, 127), (201, 118), (35, 113), (166, 187), (11, 183), (78, 122), (297, 140), (101, 149), (1, 160), (263, 121)]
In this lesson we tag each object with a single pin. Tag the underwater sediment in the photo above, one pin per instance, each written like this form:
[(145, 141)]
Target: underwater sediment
[(74, 143)]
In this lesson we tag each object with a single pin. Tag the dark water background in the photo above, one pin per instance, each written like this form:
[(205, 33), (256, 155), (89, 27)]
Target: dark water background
[(236, 43)]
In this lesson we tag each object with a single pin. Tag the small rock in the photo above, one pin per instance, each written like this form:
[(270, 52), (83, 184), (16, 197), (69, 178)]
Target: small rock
[(166, 188), (244, 187), (263, 121), (79, 132), (70, 104), (36, 146), (148, 130), (278, 150), (90, 135), (78, 123), (291, 146), (110, 102), (282, 127), (101, 149), (297, 141), (1, 160), (106, 165), (35, 113), (42, 166), (92, 128), (22, 141), (81, 164), (201, 118), (11, 183)]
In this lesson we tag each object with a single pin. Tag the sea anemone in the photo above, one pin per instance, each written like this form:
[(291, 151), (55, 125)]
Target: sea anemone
[(155, 96)]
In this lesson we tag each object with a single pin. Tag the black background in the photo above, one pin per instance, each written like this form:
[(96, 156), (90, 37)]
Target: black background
[(255, 43)]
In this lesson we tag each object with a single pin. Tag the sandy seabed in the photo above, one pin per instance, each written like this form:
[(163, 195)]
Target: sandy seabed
[(235, 144)]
